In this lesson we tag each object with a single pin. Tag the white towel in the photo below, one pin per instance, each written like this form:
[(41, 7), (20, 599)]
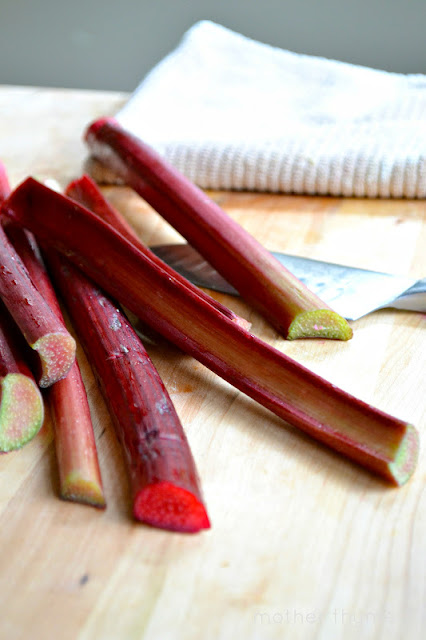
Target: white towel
[(233, 113)]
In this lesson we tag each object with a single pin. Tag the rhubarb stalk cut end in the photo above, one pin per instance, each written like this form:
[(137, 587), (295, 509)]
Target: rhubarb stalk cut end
[(405, 459), (21, 411), (167, 506), (57, 354), (79, 489), (321, 323)]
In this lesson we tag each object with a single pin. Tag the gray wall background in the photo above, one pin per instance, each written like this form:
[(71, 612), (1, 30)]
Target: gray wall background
[(111, 44)]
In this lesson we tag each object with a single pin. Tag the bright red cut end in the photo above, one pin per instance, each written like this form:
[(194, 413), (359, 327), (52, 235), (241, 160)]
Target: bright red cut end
[(167, 506)]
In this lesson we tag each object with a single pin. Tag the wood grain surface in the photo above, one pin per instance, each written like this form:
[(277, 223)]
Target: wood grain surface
[(303, 545)]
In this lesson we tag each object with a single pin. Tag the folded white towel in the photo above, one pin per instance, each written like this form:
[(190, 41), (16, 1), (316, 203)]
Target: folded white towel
[(232, 113)]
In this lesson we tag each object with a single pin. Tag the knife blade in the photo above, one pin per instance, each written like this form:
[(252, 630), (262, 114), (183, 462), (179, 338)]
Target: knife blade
[(350, 291)]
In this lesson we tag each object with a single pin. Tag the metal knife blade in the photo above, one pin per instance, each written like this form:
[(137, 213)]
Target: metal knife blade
[(350, 291)]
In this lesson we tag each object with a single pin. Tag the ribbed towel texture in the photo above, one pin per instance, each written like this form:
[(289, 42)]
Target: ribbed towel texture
[(233, 113)]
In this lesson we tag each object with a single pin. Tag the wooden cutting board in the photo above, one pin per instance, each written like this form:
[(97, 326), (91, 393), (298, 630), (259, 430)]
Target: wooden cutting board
[(303, 544)]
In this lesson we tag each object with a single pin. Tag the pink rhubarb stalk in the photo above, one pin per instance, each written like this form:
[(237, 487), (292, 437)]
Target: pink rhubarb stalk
[(274, 291), (78, 465), (21, 404), (384, 444)]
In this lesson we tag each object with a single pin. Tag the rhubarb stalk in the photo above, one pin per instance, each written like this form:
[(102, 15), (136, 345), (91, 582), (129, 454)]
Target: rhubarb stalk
[(163, 479), (21, 404), (78, 465), (274, 291), (384, 444)]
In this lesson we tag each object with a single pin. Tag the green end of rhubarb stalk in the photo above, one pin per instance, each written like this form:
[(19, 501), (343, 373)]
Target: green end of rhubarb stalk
[(57, 354), (402, 468), (76, 488), (21, 411), (321, 323)]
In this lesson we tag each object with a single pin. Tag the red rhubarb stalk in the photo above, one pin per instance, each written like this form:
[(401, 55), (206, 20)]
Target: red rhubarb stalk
[(78, 465), (161, 469), (274, 291), (86, 191), (386, 445), (43, 331), (21, 404), (154, 414)]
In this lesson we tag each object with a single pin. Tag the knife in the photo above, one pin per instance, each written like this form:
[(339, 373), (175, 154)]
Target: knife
[(350, 291)]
